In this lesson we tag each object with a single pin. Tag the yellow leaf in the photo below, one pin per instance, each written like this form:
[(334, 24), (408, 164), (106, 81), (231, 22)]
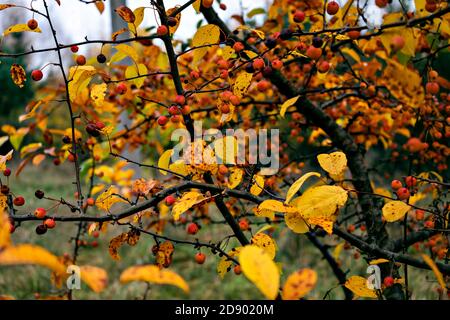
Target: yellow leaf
[(164, 254), (128, 51), (4, 159), (264, 213), (321, 201), (187, 201), (277, 206), (115, 244), (179, 167), (100, 6), (107, 199), (98, 93), (325, 222), (299, 283), (136, 73), (337, 251), (5, 224), (242, 83), (358, 285), (125, 13), (164, 161), (435, 270), (6, 6), (29, 148), (31, 113), (333, 163), (79, 76), (203, 38), (139, 17), (153, 274), (260, 269), (96, 278), (258, 185), (235, 177), (352, 53), (18, 75), (31, 254), (225, 264), (378, 261), (287, 104), (173, 29), (197, 5), (20, 28), (227, 52), (293, 189), (266, 243), (37, 159), (296, 222), (395, 210)]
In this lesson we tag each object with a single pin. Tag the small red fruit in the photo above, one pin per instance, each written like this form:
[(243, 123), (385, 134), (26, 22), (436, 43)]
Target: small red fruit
[(388, 281), (37, 75), (32, 24), (40, 213), (381, 3), (223, 6), (237, 269), (94, 244), (410, 181), (258, 64), (41, 229), (180, 99), (200, 258), (277, 64), (162, 30), (71, 157), (432, 87), (238, 46), (429, 224), (173, 110), (7, 172), (396, 184), (313, 52), (170, 200), (121, 88), (207, 3), (235, 101), (19, 201), (299, 16), (96, 234), (354, 34), (403, 193), (244, 224), (192, 228), (420, 214), (225, 108), (223, 170), (81, 60), (323, 67), (74, 49), (50, 223), (332, 8), (90, 202), (351, 228), (162, 120)]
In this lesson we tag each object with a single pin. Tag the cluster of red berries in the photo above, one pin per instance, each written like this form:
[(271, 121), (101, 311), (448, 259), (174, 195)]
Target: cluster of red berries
[(401, 191), (94, 128)]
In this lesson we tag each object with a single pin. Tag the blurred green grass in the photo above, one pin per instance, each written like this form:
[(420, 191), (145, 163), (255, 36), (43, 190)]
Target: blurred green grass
[(295, 252)]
